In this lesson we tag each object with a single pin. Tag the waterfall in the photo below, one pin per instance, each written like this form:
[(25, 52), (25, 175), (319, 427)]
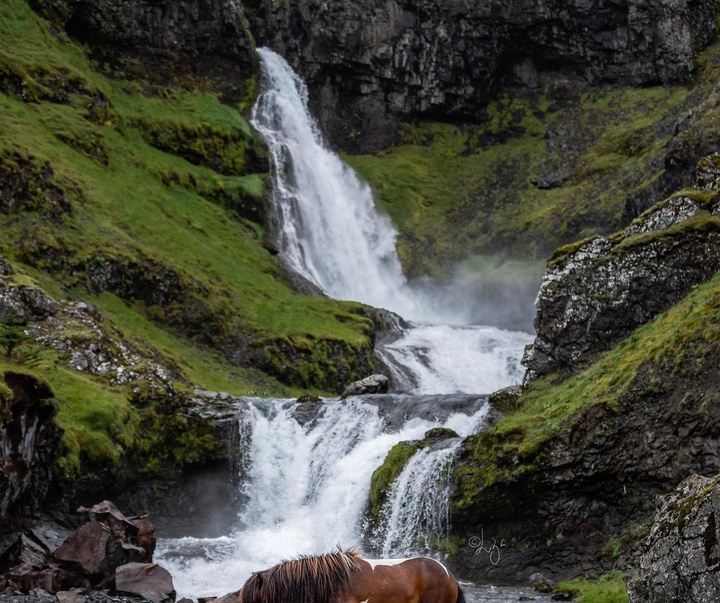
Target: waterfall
[(328, 228), (415, 517), (329, 231), (306, 477), (306, 484)]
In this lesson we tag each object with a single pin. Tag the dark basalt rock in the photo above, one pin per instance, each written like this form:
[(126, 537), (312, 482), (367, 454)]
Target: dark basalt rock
[(29, 444), (27, 184), (596, 480), (163, 41), (369, 64), (595, 293), (682, 552)]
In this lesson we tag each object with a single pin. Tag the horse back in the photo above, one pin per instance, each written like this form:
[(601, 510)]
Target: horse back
[(417, 580)]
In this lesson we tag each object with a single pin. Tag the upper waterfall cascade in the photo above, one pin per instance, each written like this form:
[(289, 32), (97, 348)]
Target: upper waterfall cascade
[(329, 231)]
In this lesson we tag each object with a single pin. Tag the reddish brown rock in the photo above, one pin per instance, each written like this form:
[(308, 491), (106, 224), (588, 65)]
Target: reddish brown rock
[(148, 580)]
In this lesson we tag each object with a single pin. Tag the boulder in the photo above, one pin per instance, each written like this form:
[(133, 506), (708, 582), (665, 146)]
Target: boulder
[(596, 292), (109, 540), (147, 580), (682, 551), (374, 384)]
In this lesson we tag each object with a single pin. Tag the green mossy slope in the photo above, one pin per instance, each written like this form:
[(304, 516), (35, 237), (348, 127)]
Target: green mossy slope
[(549, 167), (147, 202)]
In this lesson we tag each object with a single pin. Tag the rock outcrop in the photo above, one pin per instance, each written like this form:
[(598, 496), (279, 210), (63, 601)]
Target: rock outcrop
[(682, 555), (374, 384), (562, 489), (370, 63), (595, 293), (110, 550), (554, 506), (164, 40), (29, 445)]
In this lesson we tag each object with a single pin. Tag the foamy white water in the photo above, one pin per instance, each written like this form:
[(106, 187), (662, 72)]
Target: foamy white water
[(449, 359), (328, 228), (330, 232), (415, 518), (307, 490)]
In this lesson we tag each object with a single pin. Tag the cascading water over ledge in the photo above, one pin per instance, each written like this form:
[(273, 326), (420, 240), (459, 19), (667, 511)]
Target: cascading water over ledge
[(328, 230), (306, 470), (306, 481)]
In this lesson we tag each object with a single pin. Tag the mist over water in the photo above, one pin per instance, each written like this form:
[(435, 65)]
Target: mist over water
[(306, 486)]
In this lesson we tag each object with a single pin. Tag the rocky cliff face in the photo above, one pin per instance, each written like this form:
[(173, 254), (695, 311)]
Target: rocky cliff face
[(164, 41), (29, 445), (578, 501), (371, 63), (682, 554)]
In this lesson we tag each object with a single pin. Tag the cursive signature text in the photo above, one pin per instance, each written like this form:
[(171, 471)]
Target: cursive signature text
[(493, 551)]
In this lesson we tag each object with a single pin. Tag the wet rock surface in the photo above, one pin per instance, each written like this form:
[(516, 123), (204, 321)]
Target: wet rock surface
[(374, 384), (682, 554), (29, 445)]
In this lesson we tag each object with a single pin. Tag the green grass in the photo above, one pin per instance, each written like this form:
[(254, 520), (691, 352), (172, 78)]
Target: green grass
[(549, 405), (606, 589), (131, 207), (196, 364), (454, 191)]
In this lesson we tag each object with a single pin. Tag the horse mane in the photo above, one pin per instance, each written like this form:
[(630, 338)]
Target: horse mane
[(306, 579)]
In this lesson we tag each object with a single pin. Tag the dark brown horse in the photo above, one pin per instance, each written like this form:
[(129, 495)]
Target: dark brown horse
[(345, 577)]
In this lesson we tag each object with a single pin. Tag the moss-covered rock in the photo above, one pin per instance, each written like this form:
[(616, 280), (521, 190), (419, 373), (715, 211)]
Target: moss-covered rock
[(385, 475), (598, 291), (29, 185)]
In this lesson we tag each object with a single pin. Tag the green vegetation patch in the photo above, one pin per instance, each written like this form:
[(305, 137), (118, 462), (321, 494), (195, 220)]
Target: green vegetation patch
[(547, 408), (611, 588), (537, 175), (159, 200)]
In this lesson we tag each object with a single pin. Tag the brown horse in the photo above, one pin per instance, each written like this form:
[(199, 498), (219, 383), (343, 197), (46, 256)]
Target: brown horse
[(345, 577)]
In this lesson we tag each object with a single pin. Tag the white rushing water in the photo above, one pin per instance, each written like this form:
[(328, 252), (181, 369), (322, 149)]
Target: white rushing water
[(330, 232), (307, 488)]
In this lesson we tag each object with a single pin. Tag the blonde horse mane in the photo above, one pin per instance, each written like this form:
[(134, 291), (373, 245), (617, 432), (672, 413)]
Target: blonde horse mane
[(306, 579)]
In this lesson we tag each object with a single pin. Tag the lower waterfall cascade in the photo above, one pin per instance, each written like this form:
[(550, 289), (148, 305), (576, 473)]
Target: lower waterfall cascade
[(306, 487), (304, 484)]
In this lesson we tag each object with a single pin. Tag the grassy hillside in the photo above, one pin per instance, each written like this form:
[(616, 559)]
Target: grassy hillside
[(550, 166), (147, 202)]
